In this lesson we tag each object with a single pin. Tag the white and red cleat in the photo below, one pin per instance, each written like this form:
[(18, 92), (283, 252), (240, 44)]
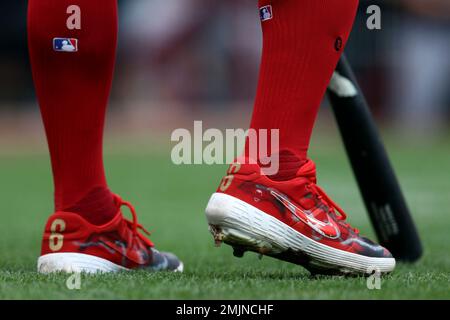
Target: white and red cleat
[(291, 220), (72, 244)]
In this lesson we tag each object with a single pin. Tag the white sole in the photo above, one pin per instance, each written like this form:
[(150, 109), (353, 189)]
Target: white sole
[(69, 262), (242, 225)]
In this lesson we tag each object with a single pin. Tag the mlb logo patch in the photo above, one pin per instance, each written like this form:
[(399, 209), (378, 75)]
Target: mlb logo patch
[(265, 13), (65, 44)]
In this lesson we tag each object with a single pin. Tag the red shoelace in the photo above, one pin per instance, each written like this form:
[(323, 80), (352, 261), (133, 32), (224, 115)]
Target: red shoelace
[(133, 224), (331, 204)]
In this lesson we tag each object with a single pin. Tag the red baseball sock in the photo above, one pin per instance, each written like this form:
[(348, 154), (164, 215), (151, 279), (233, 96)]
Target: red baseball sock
[(72, 50), (302, 43)]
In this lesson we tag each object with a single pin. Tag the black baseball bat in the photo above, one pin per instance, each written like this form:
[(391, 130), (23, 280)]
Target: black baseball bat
[(374, 173)]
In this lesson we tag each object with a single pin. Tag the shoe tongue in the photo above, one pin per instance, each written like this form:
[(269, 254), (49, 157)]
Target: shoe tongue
[(319, 208), (308, 170)]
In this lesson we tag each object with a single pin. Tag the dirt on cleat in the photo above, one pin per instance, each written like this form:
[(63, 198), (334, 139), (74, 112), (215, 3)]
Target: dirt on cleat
[(217, 234), (265, 249)]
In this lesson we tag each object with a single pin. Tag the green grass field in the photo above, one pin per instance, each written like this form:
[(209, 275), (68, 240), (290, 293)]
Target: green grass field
[(170, 201)]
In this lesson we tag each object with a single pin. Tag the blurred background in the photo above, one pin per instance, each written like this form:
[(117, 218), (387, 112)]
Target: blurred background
[(186, 60), (198, 59)]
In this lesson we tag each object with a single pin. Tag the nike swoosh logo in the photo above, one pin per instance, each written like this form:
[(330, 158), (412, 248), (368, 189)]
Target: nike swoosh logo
[(329, 230), (132, 255)]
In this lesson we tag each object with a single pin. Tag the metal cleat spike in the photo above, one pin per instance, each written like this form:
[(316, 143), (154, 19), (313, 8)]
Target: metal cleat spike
[(238, 252)]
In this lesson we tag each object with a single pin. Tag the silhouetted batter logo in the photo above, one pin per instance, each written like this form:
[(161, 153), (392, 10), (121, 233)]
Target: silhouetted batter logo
[(266, 13), (65, 44)]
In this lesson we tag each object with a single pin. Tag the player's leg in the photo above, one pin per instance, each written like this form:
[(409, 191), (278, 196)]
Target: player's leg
[(303, 42), (286, 215), (73, 90), (72, 50)]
